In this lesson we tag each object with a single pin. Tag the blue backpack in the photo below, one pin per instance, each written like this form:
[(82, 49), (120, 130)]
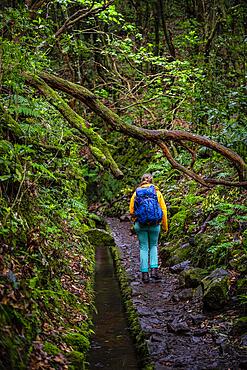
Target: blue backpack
[(146, 206)]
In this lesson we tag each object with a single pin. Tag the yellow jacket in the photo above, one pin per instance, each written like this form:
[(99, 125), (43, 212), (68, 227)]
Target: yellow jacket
[(162, 204)]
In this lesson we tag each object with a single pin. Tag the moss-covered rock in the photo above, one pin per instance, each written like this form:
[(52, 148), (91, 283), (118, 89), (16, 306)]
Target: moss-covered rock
[(241, 286), (240, 326), (240, 263), (166, 251), (174, 253), (180, 254), (193, 277), (98, 237), (216, 289), (77, 360)]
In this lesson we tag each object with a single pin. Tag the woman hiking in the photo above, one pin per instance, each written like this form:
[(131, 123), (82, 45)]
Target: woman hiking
[(148, 212)]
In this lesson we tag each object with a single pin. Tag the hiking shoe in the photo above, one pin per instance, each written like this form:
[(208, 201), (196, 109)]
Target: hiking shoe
[(145, 277), (155, 274)]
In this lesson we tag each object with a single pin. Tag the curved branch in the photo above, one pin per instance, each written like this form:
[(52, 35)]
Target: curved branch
[(191, 151), (155, 136), (80, 14), (180, 167)]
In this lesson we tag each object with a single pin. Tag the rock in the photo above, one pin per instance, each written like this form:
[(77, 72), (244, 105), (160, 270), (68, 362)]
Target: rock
[(198, 292), (197, 319), (156, 338), (156, 348), (193, 276), (215, 289), (125, 217), (166, 251), (200, 332), (240, 326), (180, 254), (143, 311), (159, 311), (178, 327), (183, 295), (99, 237), (244, 340), (180, 266)]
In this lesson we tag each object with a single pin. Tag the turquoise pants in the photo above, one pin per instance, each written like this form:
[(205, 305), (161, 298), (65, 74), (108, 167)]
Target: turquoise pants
[(148, 237)]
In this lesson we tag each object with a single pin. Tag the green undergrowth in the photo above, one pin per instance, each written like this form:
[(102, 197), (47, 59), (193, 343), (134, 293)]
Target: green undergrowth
[(46, 300), (47, 262), (132, 316)]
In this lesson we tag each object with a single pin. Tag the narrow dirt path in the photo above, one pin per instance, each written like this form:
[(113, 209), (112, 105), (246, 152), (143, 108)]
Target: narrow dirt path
[(179, 335)]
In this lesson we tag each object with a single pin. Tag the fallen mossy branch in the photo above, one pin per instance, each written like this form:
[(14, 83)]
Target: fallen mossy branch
[(97, 144), (158, 137)]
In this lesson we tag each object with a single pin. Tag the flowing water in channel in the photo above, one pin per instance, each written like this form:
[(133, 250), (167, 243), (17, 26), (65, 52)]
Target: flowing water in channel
[(112, 347)]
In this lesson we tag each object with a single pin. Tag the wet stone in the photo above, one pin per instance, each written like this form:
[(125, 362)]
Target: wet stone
[(135, 283), (164, 295), (244, 340), (180, 267), (156, 348), (156, 338), (155, 321), (196, 339), (156, 331), (178, 326), (159, 311), (143, 311), (183, 295), (197, 319), (200, 332)]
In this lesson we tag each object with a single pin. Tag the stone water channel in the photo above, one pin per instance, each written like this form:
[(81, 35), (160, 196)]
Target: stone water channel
[(112, 346), (178, 333)]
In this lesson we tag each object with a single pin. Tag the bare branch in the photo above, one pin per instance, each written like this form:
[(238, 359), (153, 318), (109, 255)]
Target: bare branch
[(191, 151), (79, 15), (180, 167)]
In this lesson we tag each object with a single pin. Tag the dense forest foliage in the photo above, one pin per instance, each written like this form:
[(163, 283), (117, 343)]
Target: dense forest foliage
[(94, 94)]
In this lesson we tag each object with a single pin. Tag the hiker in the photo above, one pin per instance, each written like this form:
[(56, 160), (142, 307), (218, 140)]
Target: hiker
[(148, 212)]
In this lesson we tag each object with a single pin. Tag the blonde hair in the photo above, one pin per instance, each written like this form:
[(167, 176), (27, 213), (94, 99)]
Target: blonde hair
[(147, 177)]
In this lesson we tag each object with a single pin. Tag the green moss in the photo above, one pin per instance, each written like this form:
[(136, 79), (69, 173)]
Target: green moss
[(178, 222), (174, 253), (98, 237), (51, 349), (167, 249), (242, 286), (77, 341), (77, 360), (200, 255), (240, 326), (216, 289), (194, 276)]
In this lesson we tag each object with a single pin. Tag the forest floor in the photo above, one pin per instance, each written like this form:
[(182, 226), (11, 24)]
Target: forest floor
[(178, 332)]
